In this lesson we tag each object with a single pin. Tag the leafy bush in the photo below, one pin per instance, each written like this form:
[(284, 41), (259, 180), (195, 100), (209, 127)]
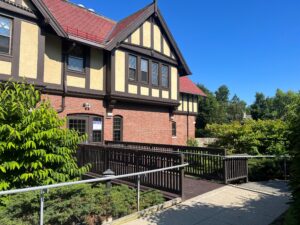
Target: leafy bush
[(81, 204), (266, 169), (192, 142), (34, 148), (252, 137), (294, 212)]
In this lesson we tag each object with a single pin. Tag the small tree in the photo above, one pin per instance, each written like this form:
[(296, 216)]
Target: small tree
[(35, 149)]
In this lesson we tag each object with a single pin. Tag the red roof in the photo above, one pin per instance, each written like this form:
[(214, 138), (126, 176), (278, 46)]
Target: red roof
[(123, 24), (187, 86), (80, 22)]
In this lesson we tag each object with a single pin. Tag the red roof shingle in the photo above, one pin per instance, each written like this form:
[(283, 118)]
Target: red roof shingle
[(80, 22), (123, 24), (189, 87)]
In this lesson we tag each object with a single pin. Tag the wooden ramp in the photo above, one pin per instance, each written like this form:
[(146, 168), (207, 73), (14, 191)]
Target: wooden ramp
[(193, 187)]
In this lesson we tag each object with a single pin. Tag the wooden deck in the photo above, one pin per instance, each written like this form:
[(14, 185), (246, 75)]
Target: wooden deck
[(193, 187)]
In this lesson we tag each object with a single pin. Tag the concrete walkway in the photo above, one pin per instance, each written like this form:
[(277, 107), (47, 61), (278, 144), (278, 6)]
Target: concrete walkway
[(252, 203)]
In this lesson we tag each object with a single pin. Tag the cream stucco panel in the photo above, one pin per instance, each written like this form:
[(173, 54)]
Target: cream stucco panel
[(28, 50), (52, 60), (157, 38), (5, 67), (165, 94), (166, 48), (147, 34), (76, 81), (96, 71), (135, 37), (155, 93), (132, 89), (120, 71), (144, 91), (174, 83)]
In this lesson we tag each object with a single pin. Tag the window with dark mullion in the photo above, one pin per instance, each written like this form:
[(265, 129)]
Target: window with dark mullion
[(144, 70), (5, 35), (132, 61), (117, 128), (174, 129), (154, 73), (165, 76), (76, 59)]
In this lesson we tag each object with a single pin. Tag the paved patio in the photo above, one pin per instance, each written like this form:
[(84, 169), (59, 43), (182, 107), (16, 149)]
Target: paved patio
[(252, 203)]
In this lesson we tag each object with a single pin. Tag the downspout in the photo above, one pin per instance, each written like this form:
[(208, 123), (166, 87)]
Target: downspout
[(187, 117), (63, 97), (64, 80)]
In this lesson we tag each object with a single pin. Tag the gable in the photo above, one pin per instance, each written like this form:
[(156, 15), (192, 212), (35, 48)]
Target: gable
[(151, 35)]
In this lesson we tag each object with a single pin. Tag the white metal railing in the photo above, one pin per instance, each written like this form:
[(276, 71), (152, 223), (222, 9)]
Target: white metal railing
[(45, 188)]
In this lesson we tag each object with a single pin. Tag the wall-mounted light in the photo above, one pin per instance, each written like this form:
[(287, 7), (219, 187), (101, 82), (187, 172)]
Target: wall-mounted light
[(86, 106)]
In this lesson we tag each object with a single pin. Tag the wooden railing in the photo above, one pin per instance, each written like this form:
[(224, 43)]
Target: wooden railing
[(235, 168), (206, 163), (167, 148), (123, 160)]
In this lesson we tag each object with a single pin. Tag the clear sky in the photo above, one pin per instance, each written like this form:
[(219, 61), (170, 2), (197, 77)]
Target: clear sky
[(249, 45)]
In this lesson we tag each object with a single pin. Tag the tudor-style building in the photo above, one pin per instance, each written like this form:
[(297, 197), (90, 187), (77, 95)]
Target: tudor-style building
[(123, 81)]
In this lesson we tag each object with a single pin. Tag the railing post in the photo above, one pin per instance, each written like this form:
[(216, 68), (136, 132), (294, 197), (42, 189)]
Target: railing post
[(225, 170), (284, 165), (108, 173), (42, 198), (247, 170), (181, 179), (138, 192)]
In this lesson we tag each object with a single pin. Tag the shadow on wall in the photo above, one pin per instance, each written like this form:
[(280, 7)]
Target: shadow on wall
[(245, 208)]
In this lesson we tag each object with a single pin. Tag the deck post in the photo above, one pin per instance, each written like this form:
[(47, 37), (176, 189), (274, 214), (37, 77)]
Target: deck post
[(225, 170), (181, 176)]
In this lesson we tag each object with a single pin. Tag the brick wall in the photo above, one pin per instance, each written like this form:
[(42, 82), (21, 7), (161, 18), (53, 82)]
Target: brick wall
[(182, 127), (141, 123)]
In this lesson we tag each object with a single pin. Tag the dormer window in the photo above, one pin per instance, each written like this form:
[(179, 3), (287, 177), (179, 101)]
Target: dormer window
[(132, 67), (5, 35), (76, 59)]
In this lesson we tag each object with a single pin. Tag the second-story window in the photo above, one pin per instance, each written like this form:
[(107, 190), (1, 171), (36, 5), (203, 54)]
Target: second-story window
[(154, 74), (5, 35), (165, 76), (144, 70), (76, 59), (132, 67)]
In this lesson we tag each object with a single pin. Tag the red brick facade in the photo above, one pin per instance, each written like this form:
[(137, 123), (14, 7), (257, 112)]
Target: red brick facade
[(141, 123)]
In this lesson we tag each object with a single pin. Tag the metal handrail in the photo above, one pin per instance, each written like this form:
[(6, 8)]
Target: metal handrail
[(43, 189)]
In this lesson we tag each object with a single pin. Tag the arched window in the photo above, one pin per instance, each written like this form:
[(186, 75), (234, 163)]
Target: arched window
[(118, 128)]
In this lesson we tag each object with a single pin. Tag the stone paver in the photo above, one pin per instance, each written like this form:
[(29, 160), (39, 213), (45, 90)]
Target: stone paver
[(228, 205)]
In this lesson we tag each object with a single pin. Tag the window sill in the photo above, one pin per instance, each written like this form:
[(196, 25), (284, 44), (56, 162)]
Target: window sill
[(5, 57), (74, 72), (174, 137)]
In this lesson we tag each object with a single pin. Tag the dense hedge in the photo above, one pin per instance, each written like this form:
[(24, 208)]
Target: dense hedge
[(252, 137), (80, 204), (293, 216)]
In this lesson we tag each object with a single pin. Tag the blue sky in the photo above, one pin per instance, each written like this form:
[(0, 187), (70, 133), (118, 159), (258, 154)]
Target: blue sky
[(249, 45)]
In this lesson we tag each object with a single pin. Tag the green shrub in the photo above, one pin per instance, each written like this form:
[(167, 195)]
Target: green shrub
[(266, 169), (35, 149), (80, 204), (192, 142), (294, 213), (252, 137)]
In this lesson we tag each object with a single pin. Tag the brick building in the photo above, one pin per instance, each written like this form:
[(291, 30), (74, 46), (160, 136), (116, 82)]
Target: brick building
[(122, 81)]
